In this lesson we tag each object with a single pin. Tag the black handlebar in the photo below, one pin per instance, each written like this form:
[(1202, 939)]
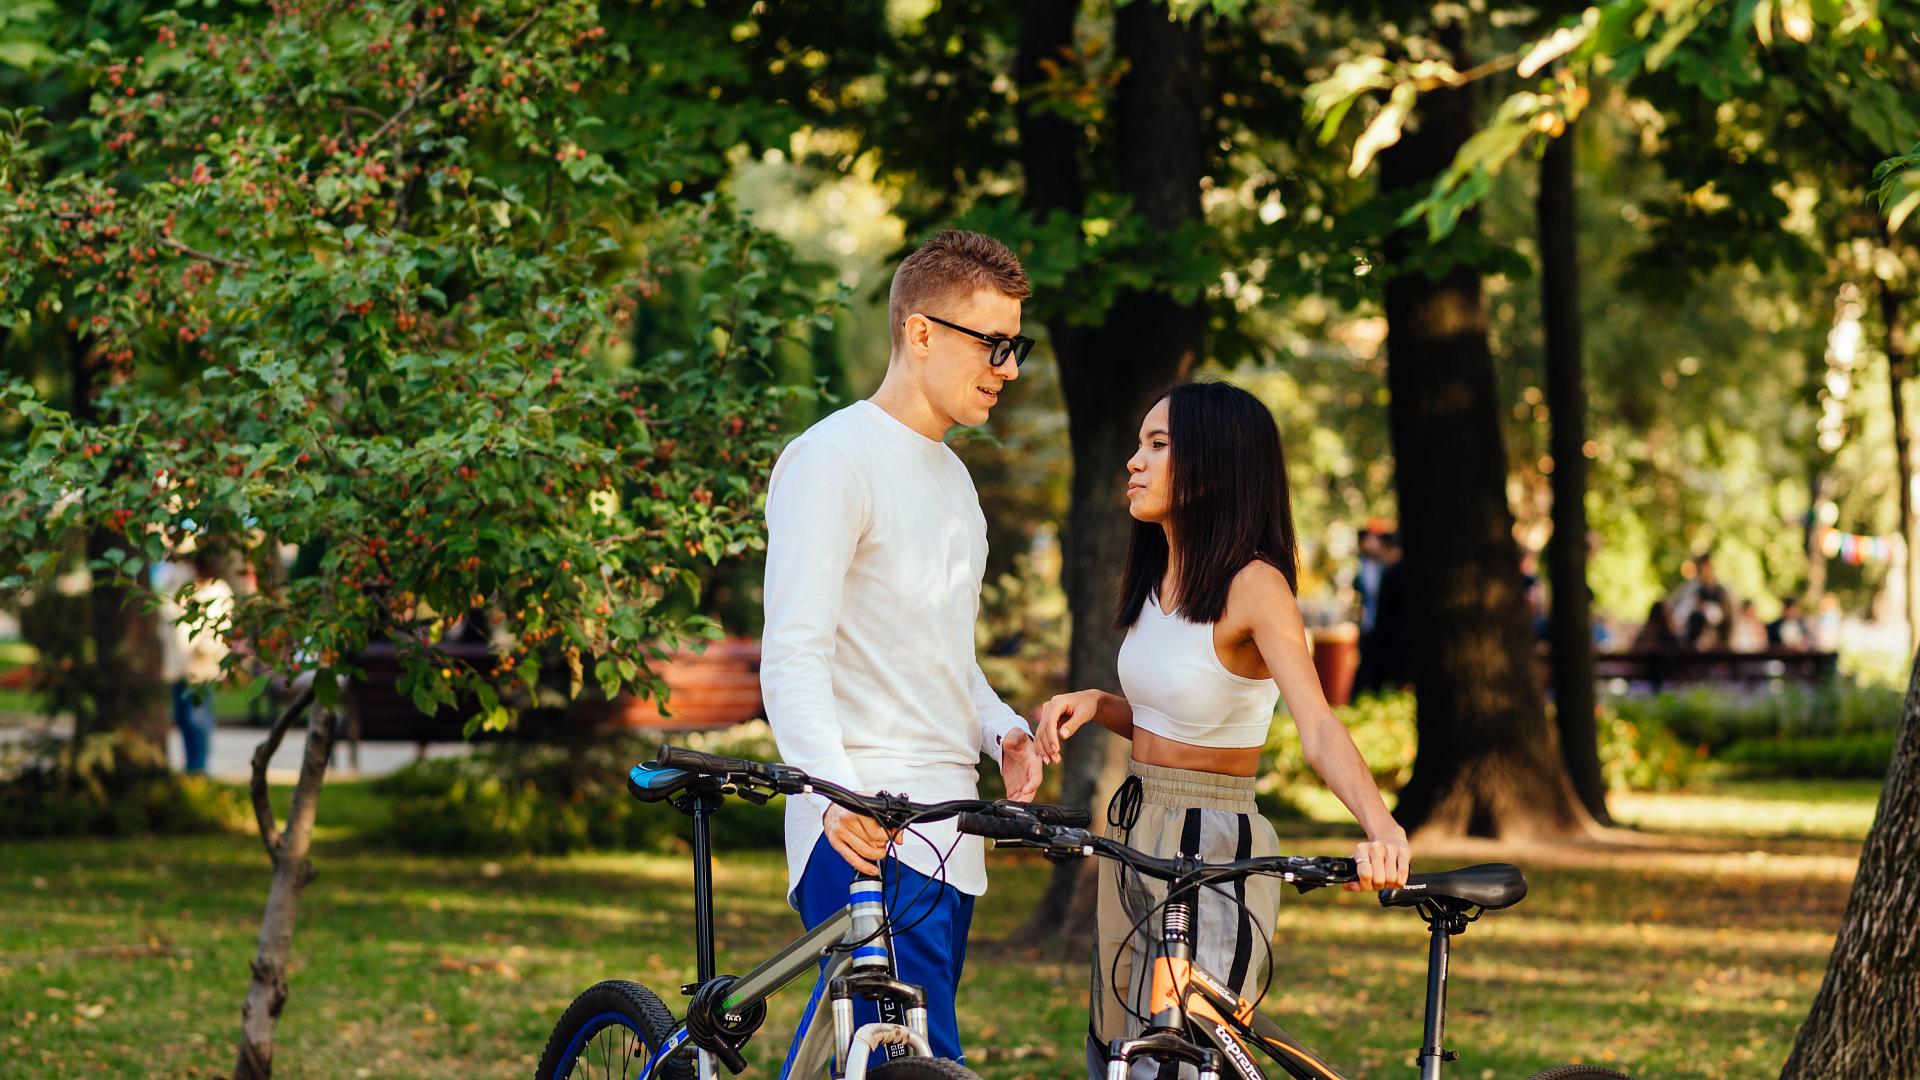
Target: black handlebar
[(1059, 831), (1063, 841), (888, 809)]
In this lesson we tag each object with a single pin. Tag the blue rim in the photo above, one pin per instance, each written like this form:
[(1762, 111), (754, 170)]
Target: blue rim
[(593, 1027)]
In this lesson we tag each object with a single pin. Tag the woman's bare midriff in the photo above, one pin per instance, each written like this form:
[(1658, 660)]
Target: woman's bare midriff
[(1151, 749)]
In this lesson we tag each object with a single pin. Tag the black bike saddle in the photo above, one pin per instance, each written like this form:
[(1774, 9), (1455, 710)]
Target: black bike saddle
[(1490, 885)]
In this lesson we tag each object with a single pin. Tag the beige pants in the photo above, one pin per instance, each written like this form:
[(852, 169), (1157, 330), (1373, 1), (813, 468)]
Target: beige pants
[(1167, 812)]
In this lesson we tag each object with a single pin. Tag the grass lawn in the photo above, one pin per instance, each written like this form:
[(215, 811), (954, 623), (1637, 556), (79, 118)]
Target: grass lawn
[(1689, 952)]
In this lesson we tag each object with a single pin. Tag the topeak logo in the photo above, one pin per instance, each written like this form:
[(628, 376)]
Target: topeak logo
[(1235, 1053)]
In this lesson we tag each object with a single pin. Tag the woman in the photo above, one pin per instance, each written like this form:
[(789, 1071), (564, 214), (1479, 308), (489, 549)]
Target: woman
[(1214, 638)]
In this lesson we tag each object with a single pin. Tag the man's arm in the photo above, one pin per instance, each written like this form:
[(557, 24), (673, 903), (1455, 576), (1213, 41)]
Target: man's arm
[(817, 508)]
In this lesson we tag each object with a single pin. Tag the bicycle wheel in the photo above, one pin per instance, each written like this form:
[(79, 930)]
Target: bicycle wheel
[(611, 1030), (920, 1068), (1579, 1072)]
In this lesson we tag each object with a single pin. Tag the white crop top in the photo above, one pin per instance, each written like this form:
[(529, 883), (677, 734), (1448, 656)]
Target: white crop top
[(1180, 690)]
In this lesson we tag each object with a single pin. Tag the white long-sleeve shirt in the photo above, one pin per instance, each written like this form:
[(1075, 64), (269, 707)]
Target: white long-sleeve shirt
[(875, 551)]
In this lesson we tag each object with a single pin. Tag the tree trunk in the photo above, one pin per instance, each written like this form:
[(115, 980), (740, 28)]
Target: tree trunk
[(1487, 762), (1898, 358), (121, 673), (1866, 1018), (1570, 620), (1110, 374), (267, 994)]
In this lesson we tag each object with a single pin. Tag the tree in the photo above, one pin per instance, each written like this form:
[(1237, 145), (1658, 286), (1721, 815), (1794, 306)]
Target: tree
[(402, 265), (1865, 1019), (1486, 763), (1570, 621)]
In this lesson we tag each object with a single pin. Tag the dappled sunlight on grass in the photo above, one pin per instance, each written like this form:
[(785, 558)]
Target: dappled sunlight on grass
[(1666, 956)]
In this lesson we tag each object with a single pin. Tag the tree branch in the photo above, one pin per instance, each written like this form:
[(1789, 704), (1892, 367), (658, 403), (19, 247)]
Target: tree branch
[(218, 260), (263, 809)]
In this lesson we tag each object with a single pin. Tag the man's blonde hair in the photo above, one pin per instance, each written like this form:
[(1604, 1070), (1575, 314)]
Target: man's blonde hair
[(953, 265)]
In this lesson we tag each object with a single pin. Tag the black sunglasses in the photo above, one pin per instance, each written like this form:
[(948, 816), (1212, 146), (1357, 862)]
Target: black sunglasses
[(1016, 347)]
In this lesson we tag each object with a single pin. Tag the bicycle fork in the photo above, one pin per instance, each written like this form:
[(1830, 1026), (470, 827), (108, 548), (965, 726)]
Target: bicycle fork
[(1165, 1038), (871, 974)]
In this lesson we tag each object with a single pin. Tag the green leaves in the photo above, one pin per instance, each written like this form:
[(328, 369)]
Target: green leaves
[(404, 302), (1703, 44), (1897, 187)]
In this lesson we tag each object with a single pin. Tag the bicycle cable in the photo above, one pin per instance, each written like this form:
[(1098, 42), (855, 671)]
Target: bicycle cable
[(1139, 929)]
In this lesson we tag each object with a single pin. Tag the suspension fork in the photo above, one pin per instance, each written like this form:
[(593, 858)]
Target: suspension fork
[(1172, 964)]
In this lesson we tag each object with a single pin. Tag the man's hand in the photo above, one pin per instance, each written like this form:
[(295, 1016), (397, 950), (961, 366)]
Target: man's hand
[(859, 839), (1381, 864), (1019, 766)]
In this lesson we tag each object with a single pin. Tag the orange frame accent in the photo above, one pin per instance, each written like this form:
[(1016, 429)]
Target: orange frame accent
[(1173, 980)]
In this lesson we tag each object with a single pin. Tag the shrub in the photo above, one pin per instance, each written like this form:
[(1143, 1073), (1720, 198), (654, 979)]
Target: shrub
[(1717, 717), (109, 784), (549, 799), (1382, 727), (1642, 755), (1867, 755)]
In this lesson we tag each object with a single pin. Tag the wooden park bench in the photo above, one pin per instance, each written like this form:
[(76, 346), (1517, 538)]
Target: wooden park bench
[(1658, 669)]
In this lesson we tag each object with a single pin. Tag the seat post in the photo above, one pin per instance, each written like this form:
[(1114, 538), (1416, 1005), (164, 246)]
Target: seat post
[(1442, 925), (704, 804)]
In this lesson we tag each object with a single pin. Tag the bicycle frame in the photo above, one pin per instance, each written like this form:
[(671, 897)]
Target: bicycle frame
[(725, 1011), (1192, 1008)]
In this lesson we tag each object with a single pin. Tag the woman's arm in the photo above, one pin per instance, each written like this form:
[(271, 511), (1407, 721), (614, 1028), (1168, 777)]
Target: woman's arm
[(1064, 714), (1262, 601)]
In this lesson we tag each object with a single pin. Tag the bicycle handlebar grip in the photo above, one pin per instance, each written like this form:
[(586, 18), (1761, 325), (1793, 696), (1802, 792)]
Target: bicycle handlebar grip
[(679, 757), (1073, 817), (994, 828)]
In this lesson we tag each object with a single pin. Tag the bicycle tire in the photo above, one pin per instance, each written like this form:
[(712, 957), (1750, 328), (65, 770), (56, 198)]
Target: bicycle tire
[(922, 1068), (1579, 1072), (600, 1009)]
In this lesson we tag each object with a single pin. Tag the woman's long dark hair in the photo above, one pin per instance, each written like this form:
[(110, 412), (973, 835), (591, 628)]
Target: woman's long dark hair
[(1229, 503)]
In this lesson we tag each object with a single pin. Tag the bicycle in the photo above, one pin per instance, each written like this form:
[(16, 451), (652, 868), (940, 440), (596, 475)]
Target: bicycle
[(1201, 1020), (615, 1024)]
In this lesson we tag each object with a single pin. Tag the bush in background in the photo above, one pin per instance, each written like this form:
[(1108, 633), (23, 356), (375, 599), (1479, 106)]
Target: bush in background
[(1843, 729), (550, 799), (1382, 727), (106, 784)]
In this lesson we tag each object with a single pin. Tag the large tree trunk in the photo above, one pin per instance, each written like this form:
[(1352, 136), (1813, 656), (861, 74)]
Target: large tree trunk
[(1487, 762), (267, 994), (1570, 620), (1898, 357), (1866, 1018), (1110, 374)]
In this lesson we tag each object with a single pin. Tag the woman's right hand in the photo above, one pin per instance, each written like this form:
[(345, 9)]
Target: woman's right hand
[(1060, 717)]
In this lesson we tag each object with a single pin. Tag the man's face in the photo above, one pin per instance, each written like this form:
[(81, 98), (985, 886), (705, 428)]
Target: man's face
[(953, 369)]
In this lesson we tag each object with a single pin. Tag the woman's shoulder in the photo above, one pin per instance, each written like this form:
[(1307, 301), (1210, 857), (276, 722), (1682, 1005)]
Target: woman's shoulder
[(1257, 586)]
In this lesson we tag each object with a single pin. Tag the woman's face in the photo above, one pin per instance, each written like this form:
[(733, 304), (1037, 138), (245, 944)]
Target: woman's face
[(1150, 470)]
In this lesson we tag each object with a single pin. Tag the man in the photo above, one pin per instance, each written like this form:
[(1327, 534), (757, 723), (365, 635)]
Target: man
[(1703, 595), (191, 656), (876, 546)]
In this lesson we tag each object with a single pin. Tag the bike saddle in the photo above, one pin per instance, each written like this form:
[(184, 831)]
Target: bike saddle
[(1490, 885)]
